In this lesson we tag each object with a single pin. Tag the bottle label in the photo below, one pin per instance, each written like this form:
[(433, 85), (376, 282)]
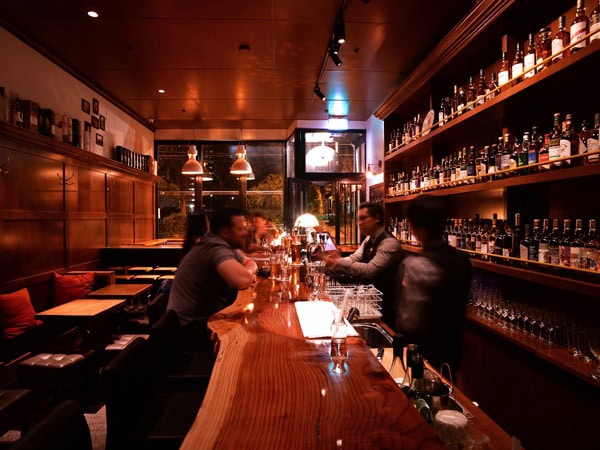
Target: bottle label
[(557, 46), (529, 63), (554, 255), (553, 151), (532, 156), (594, 26), (543, 253), (484, 247), (590, 259), (502, 77), (523, 252), (577, 32), (505, 162), (491, 247), (517, 70), (576, 255), (564, 252), (592, 146), (565, 149)]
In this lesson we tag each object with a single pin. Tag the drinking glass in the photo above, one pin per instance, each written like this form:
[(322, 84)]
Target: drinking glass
[(339, 347), (275, 260), (593, 341)]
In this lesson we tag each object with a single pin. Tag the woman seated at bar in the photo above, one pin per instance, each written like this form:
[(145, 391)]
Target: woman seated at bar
[(210, 275), (260, 234), (197, 227)]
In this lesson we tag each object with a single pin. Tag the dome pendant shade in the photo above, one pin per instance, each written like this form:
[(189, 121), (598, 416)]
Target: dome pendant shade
[(240, 165), (192, 166)]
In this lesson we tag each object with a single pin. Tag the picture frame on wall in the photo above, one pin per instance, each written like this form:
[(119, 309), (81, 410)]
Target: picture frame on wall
[(95, 122), (100, 139), (376, 193), (102, 123), (85, 106), (95, 106)]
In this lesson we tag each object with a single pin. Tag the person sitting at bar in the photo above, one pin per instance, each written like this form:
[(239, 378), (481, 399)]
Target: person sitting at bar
[(259, 235), (433, 287), (211, 273), (376, 260)]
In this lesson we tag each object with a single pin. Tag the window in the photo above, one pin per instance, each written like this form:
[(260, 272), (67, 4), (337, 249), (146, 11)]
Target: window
[(177, 192)]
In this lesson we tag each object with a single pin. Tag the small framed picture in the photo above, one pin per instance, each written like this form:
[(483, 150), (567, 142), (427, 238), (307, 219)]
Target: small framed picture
[(99, 140), (85, 106), (95, 122), (95, 106), (102, 123)]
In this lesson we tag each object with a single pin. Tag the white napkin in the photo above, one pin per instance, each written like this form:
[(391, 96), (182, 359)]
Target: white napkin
[(316, 318)]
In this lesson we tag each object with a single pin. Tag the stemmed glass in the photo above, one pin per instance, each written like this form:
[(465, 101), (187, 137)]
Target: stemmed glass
[(593, 341)]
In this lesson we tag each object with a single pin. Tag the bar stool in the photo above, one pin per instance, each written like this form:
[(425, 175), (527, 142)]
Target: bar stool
[(164, 270), (138, 270)]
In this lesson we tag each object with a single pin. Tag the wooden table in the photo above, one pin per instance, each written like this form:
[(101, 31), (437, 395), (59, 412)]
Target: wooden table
[(273, 389), (91, 314), (132, 292)]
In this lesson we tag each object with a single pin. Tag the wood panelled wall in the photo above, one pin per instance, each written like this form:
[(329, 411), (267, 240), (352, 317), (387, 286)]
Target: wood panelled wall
[(59, 205)]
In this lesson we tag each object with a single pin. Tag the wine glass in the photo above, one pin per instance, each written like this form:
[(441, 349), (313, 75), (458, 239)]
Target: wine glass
[(593, 341)]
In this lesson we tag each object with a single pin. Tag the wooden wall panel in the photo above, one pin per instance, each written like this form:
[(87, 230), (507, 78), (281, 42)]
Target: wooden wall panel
[(144, 229), (119, 194), (30, 247), (32, 183), (120, 230), (85, 238), (85, 189), (144, 196)]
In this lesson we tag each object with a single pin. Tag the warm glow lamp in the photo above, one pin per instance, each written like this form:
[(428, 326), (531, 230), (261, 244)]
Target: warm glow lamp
[(241, 166), (192, 166)]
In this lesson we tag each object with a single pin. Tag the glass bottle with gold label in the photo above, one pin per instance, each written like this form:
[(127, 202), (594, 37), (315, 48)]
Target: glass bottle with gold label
[(530, 59), (595, 23), (560, 41), (544, 49), (517, 65)]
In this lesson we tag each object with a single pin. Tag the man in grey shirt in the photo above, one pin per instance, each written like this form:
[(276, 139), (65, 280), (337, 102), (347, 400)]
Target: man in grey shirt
[(376, 260), (211, 273)]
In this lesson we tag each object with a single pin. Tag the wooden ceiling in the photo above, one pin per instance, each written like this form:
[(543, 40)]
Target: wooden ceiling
[(190, 48)]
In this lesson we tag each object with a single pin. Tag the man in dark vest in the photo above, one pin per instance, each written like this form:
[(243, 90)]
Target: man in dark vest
[(377, 259)]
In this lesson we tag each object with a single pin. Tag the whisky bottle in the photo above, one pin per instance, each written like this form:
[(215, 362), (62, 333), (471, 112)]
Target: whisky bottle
[(471, 162), (483, 160), (454, 101), (591, 249), (525, 244), (523, 157), (554, 244), (593, 142), (544, 244), (463, 164), (18, 113), (554, 150), (484, 243), (530, 58), (535, 241), (544, 49), (442, 113), (515, 250), (517, 65), (544, 154), (461, 100), (491, 87), (577, 244), (481, 87), (569, 143), (491, 166), (504, 72), (499, 242), (580, 26), (560, 41), (564, 246), (505, 161), (595, 23), (492, 235)]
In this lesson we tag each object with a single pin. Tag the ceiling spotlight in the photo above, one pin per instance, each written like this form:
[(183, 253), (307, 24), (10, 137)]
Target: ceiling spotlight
[(93, 14), (335, 47), (339, 32), (319, 93), (335, 58), (161, 91)]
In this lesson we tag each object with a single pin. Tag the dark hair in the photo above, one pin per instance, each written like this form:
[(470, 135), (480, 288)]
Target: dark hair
[(260, 214), (374, 210), (222, 218), (427, 211), (197, 226)]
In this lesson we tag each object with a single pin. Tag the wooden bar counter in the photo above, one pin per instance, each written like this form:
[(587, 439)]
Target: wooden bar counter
[(273, 389)]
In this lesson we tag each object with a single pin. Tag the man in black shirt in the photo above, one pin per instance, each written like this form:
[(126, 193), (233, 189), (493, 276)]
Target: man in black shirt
[(433, 287)]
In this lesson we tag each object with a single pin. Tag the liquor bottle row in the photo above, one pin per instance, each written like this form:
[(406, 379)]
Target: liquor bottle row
[(562, 147), (530, 59), (29, 115), (568, 247)]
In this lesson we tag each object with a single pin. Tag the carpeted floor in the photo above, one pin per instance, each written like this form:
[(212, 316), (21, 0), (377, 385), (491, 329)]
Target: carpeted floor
[(96, 421)]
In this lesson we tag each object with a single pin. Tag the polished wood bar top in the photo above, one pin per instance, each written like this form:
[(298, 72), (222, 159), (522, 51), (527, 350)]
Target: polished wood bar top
[(82, 308), (273, 389), (120, 290)]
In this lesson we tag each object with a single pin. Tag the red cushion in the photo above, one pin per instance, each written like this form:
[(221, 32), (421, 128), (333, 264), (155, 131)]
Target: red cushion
[(16, 313), (72, 287)]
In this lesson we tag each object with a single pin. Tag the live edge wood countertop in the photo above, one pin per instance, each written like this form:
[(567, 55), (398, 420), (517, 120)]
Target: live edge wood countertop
[(273, 389)]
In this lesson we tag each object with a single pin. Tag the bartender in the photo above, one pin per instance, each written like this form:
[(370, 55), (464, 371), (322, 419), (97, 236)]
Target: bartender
[(377, 259)]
